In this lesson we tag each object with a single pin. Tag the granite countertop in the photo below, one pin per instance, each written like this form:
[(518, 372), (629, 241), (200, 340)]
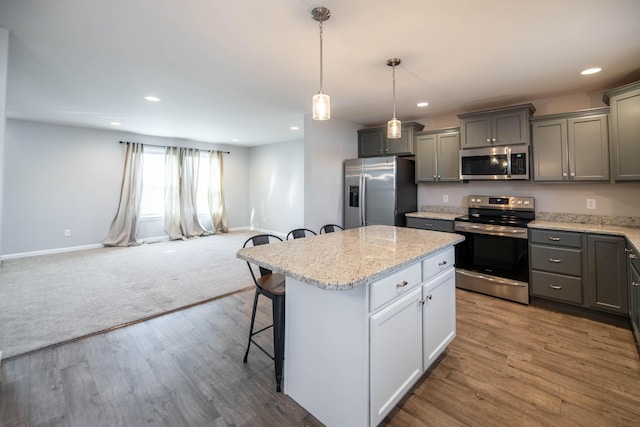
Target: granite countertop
[(631, 233), (434, 215), (350, 258)]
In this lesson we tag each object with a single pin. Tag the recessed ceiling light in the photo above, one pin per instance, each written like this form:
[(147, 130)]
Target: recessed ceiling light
[(590, 71), (152, 98), (422, 104), (115, 123), (235, 140), (294, 127)]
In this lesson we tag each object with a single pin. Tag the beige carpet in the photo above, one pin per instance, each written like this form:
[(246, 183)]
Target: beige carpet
[(50, 299)]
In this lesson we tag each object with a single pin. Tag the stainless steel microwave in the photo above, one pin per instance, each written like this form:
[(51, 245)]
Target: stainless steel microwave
[(493, 163)]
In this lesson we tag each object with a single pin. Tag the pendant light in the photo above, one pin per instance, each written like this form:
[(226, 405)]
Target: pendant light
[(394, 125), (321, 101)]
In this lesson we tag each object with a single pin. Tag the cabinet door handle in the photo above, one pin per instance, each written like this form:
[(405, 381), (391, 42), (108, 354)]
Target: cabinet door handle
[(429, 297), (402, 285), (554, 239), (554, 260), (632, 256), (426, 224), (421, 301), (493, 140), (635, 283), (442, 263), (488, 140), (555, 286)]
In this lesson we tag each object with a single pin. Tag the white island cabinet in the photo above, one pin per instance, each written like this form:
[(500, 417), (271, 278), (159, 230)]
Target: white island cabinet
[(367, 312)]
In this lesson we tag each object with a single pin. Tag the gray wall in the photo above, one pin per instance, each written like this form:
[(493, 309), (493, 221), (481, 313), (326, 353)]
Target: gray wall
[(64, 177), (4, 53), (276, 186), (327, 144)]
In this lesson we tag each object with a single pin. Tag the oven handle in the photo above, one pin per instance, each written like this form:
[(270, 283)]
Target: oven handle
[(518, 233), (491, 278)]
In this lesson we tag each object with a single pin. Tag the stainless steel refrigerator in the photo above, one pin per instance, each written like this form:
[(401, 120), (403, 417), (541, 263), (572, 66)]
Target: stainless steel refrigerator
[(378, 190)]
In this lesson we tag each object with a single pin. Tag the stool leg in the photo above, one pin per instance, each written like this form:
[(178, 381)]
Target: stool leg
[(253, 318), (278, 338)]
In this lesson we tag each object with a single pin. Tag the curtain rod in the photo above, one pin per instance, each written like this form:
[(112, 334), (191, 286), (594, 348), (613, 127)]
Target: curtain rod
[(170, 146)]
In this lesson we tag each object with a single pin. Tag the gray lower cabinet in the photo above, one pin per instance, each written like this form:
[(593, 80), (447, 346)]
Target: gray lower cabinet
[(624, 131), (607, 269), (430, 224), (571, 147), (504, 126), (438, 155), (583, 269), (373, 142), (633, 267), (556, 260)]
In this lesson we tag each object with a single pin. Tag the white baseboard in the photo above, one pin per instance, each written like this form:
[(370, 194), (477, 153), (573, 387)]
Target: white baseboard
[(49, 251)]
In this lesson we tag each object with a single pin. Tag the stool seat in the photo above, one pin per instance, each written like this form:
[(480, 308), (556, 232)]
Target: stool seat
[(272, 283)]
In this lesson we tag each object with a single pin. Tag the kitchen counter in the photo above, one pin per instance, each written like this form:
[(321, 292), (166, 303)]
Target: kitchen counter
[(352, 351), (434, 215), (350, 258), (632, 234)]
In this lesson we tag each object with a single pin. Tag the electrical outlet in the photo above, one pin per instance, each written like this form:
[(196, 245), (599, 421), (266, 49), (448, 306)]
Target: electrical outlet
[(445, 198), (591, 203), (67, 232)]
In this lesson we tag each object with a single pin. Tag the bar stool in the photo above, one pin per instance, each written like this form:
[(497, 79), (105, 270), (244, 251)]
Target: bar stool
[(330, 228), (272, 286)]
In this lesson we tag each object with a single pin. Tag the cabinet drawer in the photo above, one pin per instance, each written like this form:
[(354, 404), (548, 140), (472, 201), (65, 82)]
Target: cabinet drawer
[(556, 260), (395, 284), (556, 238), (430, 224), (556, 286), (437, 262)]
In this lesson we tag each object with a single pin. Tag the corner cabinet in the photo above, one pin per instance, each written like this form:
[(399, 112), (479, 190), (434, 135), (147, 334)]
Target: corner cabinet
[(505, 126), (633, 267), (571, 147), (438, 155), (373, 142), (607, 268), (624, 131)]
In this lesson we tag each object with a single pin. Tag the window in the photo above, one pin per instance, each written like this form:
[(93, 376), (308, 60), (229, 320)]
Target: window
[(153, 183), (152, 204)]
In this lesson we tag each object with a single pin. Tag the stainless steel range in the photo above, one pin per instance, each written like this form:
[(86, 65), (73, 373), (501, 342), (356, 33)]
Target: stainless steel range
[(494, 258)]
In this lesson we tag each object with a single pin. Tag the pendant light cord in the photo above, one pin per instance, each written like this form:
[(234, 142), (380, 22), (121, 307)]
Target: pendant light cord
[(321, 57), (394, 91)]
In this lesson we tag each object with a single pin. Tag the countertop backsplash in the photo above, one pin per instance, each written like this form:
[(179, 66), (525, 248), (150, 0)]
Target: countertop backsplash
[(444, 209)]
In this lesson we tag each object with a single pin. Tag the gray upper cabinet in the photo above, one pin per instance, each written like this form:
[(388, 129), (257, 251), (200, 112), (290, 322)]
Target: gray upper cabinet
[(373, 142), (505, 126), (571, 147), (438, 155), (624, 131)]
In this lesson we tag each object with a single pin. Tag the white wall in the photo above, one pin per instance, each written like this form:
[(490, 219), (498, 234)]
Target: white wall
[(65, 177), (4, 53), (276, 186), (327, 145)]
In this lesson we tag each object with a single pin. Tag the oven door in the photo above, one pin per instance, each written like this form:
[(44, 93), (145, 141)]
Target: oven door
[(500, 256)]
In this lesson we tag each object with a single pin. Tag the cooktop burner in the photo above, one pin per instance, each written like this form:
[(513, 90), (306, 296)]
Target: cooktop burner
[(500, 210)]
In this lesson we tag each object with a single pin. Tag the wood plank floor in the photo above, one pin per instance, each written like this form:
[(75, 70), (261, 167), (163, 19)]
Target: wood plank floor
[(509, 365)]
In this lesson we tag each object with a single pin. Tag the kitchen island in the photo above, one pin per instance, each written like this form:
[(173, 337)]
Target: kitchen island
[(368, 310)]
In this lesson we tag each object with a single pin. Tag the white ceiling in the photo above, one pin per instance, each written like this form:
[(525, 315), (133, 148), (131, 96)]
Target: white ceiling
[(247, 69)]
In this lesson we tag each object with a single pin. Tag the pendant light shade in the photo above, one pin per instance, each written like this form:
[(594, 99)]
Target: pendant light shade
[(321, 101), (394, 126)]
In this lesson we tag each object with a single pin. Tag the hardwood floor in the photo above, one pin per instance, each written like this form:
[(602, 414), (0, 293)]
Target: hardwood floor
[(509, 365)]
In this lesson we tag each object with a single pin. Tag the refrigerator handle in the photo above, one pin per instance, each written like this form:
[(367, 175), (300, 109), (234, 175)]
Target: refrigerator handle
[(363, 183)]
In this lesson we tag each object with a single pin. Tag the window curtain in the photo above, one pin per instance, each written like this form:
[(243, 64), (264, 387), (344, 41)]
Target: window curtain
[(180, 193), (124, 227), (216, 194)]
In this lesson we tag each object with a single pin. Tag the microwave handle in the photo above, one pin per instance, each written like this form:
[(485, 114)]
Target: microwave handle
[(509, 162)]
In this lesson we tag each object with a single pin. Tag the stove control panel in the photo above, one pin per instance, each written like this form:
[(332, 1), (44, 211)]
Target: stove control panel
[(501, 202)]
